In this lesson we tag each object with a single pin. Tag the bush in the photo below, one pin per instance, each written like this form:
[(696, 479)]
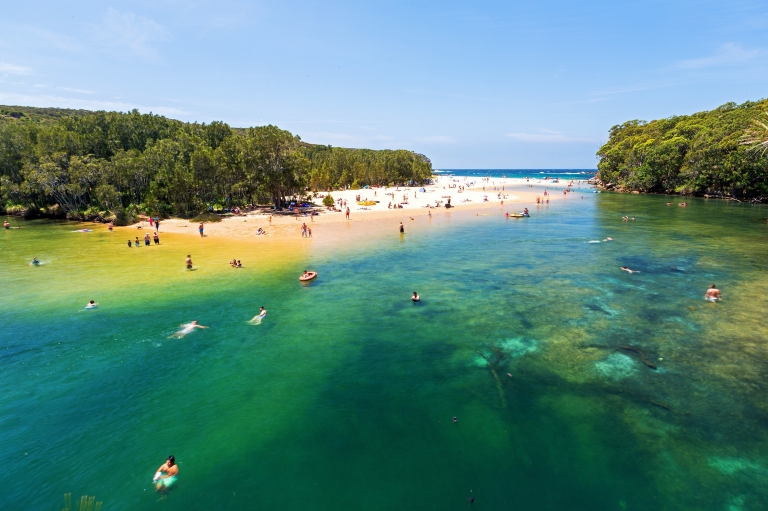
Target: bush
[(328, 201), (125, 217), (207, 217)]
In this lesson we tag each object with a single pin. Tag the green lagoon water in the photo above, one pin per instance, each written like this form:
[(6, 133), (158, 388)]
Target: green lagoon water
[(343, 397)]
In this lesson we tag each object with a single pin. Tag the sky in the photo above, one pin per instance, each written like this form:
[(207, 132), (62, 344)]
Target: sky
[(470, 84)]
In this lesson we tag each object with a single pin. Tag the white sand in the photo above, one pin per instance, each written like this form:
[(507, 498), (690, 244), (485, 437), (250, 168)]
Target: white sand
[(464, 193)]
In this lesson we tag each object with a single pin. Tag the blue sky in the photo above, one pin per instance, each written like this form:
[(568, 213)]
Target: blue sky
[(471, 84)]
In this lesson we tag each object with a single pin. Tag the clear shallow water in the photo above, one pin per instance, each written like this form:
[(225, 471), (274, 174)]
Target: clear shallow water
[(343, 397)]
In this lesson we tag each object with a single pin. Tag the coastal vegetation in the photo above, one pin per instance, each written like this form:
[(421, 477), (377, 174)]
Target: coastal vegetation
[(713, 153), (98, 165)]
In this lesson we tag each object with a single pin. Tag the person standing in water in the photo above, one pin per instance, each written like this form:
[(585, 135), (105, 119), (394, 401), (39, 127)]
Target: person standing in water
[(110, 226), (91, 305), (167, 474), (402, 228), (156, 238), (416, 297), (712, 294), (189, 262)]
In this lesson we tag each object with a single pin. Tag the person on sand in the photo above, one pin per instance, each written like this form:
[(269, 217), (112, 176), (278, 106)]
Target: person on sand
[(712, 294), (402, 228), (187, 328), (260, 231), (167, 474), (200, 228), (624, 268), (188, 262), (415, 297)]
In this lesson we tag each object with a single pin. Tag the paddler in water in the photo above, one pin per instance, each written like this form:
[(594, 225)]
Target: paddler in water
[(712, 294), (167, 474), (187, 328)]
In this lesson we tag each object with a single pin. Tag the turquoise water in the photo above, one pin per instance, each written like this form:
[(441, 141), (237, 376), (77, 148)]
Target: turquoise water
[(343, 397)]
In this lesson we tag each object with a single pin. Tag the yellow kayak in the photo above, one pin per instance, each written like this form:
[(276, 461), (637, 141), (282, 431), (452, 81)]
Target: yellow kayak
[(366, 203)]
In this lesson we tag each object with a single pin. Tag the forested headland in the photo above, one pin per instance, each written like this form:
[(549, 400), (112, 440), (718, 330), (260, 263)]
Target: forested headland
[(707, 153), (98, 165)]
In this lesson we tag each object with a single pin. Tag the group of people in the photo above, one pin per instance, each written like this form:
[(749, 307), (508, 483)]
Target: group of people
[(235, 263), (147, 242)]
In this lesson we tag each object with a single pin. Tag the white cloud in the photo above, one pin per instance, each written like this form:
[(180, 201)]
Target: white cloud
[(437, 139), (80, 91), (125, 30), (13, 69), (548, 136), (46, 100), (728, 54)]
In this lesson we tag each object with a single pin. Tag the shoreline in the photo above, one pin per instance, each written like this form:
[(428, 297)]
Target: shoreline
[(507, 194)]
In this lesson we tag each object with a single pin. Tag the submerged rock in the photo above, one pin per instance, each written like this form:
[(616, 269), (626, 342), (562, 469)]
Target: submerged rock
[(617, 366)]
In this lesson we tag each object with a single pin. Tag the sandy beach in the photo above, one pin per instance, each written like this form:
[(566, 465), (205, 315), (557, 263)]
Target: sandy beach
[(465, 193)]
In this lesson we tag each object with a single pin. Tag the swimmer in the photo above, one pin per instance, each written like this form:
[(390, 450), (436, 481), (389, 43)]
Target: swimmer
[(628, 270), (91, 305), (35, 261), (187, 328), (238, 264), (416, 297), (6, 225), (608, 239), (261, 315), (167, 474), (713, 294), (188, 262)]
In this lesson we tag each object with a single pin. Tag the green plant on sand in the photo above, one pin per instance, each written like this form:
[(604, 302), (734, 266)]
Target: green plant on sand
[(328, 201)]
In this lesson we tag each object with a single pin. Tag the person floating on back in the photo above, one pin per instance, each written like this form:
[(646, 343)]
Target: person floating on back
[(167, 474)]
